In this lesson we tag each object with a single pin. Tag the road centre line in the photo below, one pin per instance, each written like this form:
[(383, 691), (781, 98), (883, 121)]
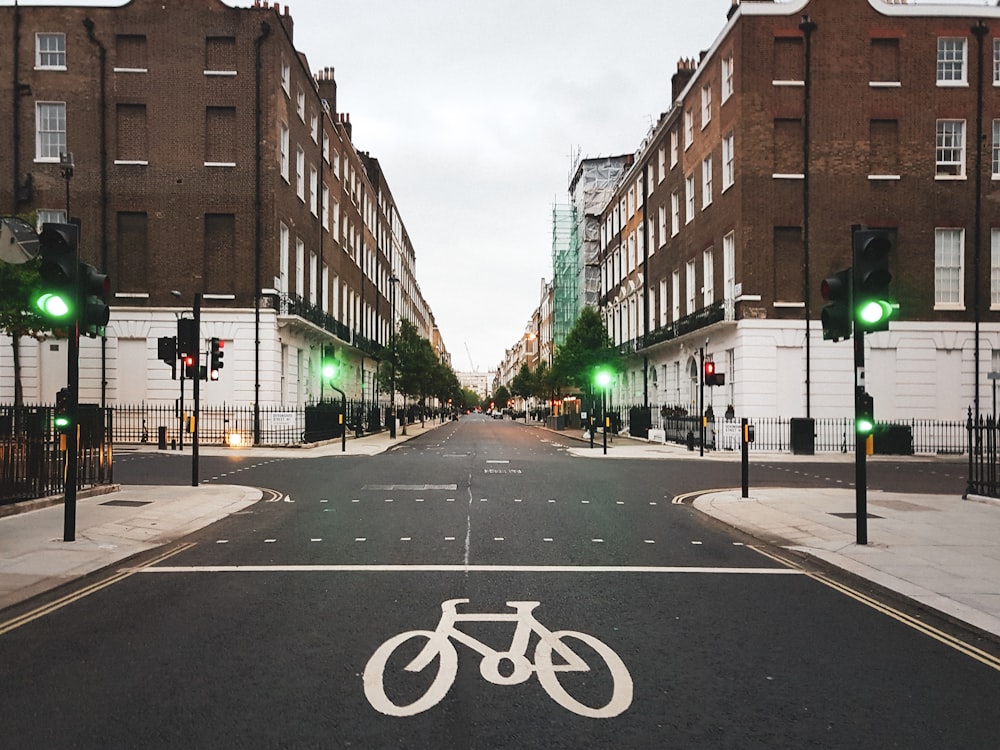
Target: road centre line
[(463, 569)]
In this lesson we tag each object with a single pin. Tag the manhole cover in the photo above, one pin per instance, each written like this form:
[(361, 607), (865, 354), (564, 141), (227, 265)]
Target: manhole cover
[(127, 503)]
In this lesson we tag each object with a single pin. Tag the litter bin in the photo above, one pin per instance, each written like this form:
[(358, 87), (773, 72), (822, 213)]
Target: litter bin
[(161, 442), (803, 436)]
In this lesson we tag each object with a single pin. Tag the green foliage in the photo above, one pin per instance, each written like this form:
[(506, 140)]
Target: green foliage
[(586, 350), (417, 370)]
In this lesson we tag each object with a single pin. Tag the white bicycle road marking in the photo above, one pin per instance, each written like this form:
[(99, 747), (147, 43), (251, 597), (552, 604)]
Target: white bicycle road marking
[(439, 644)]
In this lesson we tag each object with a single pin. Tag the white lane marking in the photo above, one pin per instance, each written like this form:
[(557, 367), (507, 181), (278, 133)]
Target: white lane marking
[(419, 500), (694, 542), (361, 539), (598, 541), (405, 539), (505, 461), (222, 541), (649, 541), (498, 539), (463, 569), (270, 541), (409, 487), (449, 539), (547, 539)]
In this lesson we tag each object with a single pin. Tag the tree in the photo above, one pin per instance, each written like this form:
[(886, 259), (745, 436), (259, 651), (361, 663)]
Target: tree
[(587, 349), (17, 282)]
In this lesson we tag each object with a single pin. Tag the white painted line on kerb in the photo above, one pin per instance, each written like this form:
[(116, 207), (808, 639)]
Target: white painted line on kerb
[(462, 569)]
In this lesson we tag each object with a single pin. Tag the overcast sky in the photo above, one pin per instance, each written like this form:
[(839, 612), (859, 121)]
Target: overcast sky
[(474, 108)]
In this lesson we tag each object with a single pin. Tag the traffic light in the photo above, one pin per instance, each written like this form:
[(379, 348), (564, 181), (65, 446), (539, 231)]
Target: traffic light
[(330, 369), (166, 349), (190, 368), (56, 299), (871, 279), (187, 337), (836, 314), (711, 376), (865, 418), (94, 312), (60, 417), (602, 378), (215, 359)]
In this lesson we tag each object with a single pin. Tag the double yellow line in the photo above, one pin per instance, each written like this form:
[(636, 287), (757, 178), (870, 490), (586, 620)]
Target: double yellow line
[(939, 635), (53, 606)]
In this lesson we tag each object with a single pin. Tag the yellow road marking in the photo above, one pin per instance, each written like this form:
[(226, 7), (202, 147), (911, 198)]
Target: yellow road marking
[(58, 604)]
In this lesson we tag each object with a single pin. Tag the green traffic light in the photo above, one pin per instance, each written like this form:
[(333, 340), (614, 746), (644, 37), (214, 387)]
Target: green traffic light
[(52, 305), (864, 426), (875, 312), (329, 370), (602, 378)]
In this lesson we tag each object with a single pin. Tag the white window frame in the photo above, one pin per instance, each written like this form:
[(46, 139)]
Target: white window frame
[(300, 173), (663, 225), (674, 148), (283, 250), (995, 161), (675, 213), (286, 77), (995, 270), (300, 103), (950, 146), (314, 126), (996, 62), (689, 199), (728, 63), (706, 105), (50, 131), (663, 162), (313, 190), (688, 128), (708, 282), (952, 61), (729, 265), (675, 288), (728, 161), (283, 146), (690, 282), (949, 268), (326, 207), (706, 182), (300, 267), (50, 50)]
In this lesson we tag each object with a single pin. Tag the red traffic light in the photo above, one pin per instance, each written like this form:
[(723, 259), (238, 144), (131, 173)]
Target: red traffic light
[(709, 368)]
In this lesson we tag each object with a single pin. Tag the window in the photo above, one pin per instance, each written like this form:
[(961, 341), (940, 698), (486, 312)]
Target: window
[(283, 258), (995, 171), (950, 153), (996, 62), (651, 176), (706, 105), (326, 207), (688, 129), (728, 161), (675, 282), (313, 278), (663, 225), (314, 126), (949, 256), (50, 51), (708, 269), (690, 281), (300, 104), (283, 148), (706, 182), (50, 130), (300, 268), (50, 216), (286, 77), (675, 213), (789, 61), (995, 270), (674, 148), (300, 173), (326, 147), (313, 190), (689, 199), (727, 77), (729, 265), (951, 52)]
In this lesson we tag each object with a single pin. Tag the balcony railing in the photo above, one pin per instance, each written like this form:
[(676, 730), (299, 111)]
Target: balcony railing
[(718, 311), (292, 304)]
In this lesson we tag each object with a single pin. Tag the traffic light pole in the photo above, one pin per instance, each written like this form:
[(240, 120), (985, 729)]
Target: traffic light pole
[(860, 453), (72, 433), (197, 389)]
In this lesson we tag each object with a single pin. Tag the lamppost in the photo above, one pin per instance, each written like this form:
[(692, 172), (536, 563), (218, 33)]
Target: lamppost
[(603, 379), (393, 280)]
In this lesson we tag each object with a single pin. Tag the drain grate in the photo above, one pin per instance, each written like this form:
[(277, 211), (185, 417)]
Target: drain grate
[(127, 503)]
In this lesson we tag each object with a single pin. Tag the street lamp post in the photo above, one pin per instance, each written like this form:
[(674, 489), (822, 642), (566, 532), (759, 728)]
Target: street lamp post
[(603, 380), (393, 280)]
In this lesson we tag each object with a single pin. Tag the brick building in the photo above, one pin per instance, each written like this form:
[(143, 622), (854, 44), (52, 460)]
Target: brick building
[(208, 159), (802, 119)]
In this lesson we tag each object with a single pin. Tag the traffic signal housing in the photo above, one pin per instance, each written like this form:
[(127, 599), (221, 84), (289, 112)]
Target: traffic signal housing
[(56, 297), (864, 422), (872, 305), (187, 337), (712, 377), (190, 368), (836, 314), (330, 369), (94, 310), (216, 355), (61, 419)]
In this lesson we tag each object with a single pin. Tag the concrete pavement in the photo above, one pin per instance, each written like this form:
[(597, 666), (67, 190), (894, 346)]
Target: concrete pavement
[(939, 550)]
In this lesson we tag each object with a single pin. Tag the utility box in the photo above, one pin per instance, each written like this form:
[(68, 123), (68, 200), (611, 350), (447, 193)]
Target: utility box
[(803, 436)]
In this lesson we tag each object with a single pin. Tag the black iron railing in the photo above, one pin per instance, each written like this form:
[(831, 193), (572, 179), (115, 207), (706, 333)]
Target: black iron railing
[(984, 469)]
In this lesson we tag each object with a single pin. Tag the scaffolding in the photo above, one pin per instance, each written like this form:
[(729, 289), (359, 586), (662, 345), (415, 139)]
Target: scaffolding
[(565, 272)]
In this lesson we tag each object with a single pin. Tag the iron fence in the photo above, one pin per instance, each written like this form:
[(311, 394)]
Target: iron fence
[(773, 434), (32, 459), (222, 424), (984, 462)]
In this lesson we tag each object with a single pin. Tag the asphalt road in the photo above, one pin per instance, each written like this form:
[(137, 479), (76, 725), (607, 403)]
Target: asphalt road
[(292, 624)]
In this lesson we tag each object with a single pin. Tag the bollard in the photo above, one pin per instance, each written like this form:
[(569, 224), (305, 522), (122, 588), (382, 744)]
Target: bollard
[(162, 438), (690, 440)]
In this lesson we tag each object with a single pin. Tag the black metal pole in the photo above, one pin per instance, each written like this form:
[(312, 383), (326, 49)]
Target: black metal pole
[(73, 386), (860, 455), (808, 26), (607, 420), (979, 30), (745, 450), (701, 402), (197, 389)]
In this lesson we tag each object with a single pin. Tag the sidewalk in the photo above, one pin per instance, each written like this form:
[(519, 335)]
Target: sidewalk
[(939, 550)]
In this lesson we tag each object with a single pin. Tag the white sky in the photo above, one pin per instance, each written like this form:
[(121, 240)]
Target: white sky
[(474, 107)]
